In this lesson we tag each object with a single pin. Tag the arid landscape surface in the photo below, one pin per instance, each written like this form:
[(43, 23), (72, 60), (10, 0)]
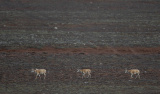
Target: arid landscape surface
[(62, 36)]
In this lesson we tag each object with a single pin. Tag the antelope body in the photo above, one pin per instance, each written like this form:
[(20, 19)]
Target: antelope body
[(39, 72), (133, 71), (84, 72)]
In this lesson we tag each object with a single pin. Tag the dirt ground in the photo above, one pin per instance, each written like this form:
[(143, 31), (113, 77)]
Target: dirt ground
[(62, 36), (62, 77)]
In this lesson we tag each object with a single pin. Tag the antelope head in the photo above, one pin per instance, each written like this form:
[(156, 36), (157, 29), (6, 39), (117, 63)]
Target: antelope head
[(126, 70)]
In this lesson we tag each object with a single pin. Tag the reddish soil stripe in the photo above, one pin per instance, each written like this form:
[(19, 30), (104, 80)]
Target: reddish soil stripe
[(104, 50)]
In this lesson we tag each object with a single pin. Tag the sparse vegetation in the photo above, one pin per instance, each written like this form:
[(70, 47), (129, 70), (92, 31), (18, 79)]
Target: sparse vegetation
[(37, 25)]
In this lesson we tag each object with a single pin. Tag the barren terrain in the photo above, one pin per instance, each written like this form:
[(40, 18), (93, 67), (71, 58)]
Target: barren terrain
[(61, 36)]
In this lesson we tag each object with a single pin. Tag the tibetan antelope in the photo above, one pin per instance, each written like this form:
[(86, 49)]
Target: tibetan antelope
[(132, 72), (84, 72), (39, 72)]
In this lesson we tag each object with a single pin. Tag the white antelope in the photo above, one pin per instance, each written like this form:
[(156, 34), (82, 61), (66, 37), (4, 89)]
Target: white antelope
[(39, 72), (133, 71), (84, 72)]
